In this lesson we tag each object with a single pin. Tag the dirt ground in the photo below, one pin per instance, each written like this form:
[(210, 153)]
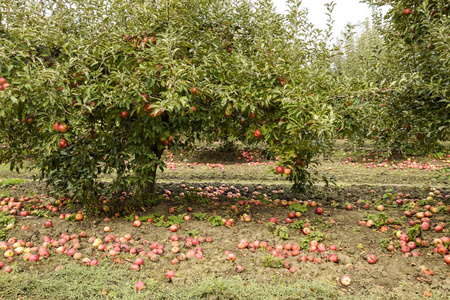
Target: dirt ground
[(395, 275)]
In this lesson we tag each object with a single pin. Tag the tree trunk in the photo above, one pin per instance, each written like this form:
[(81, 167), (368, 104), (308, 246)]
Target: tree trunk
[(147, 191)]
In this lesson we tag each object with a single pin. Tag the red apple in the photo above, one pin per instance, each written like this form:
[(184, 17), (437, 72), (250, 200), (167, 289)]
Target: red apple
[(55, 126), (231, 257), (446, 259), (319, 210), (139, 285), (279, 169), (371, 259), (333, 258), (62, 143), (257, 134), (62, 127), (137, 223), (139, 261), (170, 274), (49, 223), (273, 220), (124, 114), (173, 228)]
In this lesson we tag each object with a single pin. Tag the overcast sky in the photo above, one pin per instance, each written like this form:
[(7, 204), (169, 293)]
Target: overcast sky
[(344, 12)]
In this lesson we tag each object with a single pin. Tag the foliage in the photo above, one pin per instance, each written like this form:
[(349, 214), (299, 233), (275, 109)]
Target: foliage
[(282, 232), (216, 221), (43, 213), (171, 220), (5, 219), (385, 243), (315, 235), (414, 232), (192, 233), (150, 216), (299, 225), (379, 219), (443, 173), (130, 79), (297, 207), (388, 194)]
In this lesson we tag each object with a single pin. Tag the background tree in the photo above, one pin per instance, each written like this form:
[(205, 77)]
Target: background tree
[(399, 85)]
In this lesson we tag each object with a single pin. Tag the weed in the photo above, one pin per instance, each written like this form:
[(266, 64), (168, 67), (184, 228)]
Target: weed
[(150, 216), (153, 201), (297, 207), (389, 194), (444, 173), (442, 209), (357, 229), (174, 220), (414, 231), (316, 235), (129, 218), (272, 262), (194, 197), (192, 233), (158, 222), (4, 221), (216, 221), (43, 213), (313, 236), (200, 216), (385, 243), (379, 219), (281, 232), (299, 225), (424, 202)]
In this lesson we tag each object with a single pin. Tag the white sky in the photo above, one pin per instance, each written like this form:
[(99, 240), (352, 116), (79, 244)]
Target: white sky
[(344, 12)]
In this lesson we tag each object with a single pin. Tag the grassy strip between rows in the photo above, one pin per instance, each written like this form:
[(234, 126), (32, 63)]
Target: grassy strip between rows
[(107, 282)]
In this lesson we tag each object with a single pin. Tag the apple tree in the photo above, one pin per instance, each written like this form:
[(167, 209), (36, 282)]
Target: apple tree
[(100, 88)]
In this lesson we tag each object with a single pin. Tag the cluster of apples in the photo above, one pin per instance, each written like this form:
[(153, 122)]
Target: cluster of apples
[(3, 84), (25, 205)]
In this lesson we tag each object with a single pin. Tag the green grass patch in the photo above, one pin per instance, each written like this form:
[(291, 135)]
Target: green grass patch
[(10, 182)]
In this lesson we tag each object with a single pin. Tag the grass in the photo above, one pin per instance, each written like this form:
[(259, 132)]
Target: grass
[(107, 282), (10, 181)]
